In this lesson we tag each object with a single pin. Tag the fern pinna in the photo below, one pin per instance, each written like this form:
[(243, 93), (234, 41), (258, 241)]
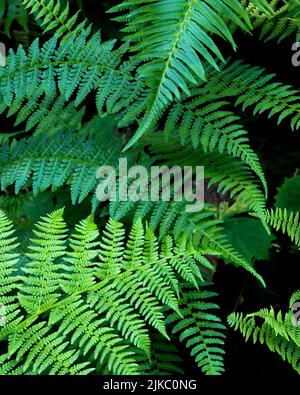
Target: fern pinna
[(126, 289)]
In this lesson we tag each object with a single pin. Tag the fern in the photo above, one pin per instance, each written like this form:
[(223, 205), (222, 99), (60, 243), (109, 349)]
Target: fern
[(276, 330), (200, 329), (177, 37), (12, 11), (165, 360), (46, 114), (276, 19), (55, 161), (76, 68), (97, 316), (288, 223), (52, 15)]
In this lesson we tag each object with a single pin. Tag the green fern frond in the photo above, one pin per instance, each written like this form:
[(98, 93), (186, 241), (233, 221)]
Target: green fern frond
[(51, 16), (10, 311), (82, 64), (230, 175), (275, 19), (41, 278), (54, 161), (212, 127), (281, 219), (79, 265), (45, 114), (200, 329), (174, 38), (76, 319), (10, 11), (276, 331)]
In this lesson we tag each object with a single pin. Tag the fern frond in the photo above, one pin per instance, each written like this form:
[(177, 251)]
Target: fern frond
[(9, 308), (46, 352), (211, 126), (79, 265), (276, 331), (51, 15), (200, 329), (276, 19), (54, 161), (174, 38), (91, 334), (10, 11), (281, 219), (45, 114), (229, 174), (79, 320), (41, 282), (77, 66)]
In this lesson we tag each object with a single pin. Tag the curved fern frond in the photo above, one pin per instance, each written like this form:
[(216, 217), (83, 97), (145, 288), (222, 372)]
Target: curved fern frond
[(212, 127), (294, 298), (230, 175)]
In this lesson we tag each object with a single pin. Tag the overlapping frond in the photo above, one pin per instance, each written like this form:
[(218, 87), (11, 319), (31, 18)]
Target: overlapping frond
[(174, 38), (53, 161), (78, 317), (279, 331), (74, 67), (51, 15)]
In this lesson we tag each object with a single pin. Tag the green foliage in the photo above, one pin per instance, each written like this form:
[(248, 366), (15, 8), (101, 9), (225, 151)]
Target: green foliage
[(288, 194), (276, 19), (52, 15), (52, 162), (99, 295), (249, 237), (288, 222), (278, 331), (174, 38), (200, 329), (11, 10), (103, 296)]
